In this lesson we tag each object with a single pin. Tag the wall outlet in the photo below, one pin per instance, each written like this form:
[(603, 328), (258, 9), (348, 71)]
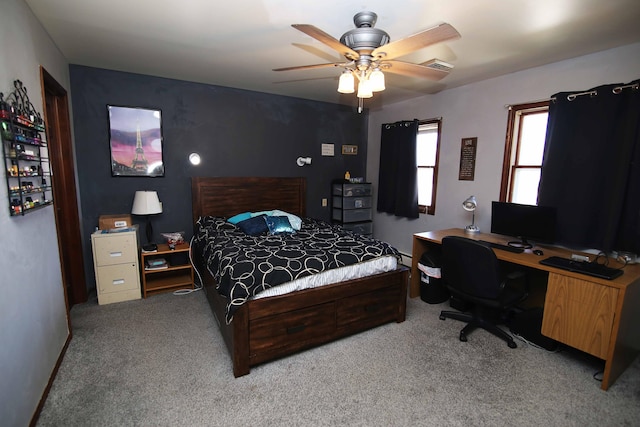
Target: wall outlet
[(324, 203)]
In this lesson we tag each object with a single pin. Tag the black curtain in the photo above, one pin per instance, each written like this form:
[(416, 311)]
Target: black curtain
[(398, 177), (591, 167)]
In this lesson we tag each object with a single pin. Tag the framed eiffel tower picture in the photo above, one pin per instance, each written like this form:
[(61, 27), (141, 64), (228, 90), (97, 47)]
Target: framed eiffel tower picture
[(135, 138)]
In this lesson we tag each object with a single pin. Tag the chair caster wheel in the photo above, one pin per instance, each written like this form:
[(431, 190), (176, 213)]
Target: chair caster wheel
[(512, 344), (463, 338), (442, 317)]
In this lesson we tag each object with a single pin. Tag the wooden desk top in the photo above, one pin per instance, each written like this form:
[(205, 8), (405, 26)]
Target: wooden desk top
[(528, 259)]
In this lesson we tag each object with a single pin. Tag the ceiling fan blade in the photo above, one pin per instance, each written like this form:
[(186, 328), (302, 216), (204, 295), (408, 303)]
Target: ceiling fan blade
[(416, 70), (327, 39), (417, 41), (310, 67)]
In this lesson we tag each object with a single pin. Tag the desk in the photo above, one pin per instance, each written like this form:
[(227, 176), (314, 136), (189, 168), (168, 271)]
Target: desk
[(600, 317)]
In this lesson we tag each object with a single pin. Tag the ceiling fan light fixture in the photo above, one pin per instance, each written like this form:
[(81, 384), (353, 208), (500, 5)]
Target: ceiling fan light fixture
[(370, 50), (376, 80), (346, 82), (364, 89)]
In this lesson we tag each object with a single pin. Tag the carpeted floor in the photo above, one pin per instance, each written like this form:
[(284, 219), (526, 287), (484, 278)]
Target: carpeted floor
[(161, 361)]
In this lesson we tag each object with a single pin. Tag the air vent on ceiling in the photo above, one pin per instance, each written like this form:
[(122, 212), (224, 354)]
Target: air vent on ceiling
[(436, 64)]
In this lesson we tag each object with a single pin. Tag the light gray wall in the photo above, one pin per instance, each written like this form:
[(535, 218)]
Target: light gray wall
[(33, 322), (478, 110)]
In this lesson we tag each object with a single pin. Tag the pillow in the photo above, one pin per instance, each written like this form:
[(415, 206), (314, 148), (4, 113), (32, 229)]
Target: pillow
[(295, 221), (254, 226), (267, 213), (278, 224), (240, 217)]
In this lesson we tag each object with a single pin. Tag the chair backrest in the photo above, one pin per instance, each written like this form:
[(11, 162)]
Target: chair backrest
[(470, 267)]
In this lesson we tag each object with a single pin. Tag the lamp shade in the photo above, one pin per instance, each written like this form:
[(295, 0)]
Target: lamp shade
[(345, 84), (364, 89), (470, 204), (146, 203), (376, 79)]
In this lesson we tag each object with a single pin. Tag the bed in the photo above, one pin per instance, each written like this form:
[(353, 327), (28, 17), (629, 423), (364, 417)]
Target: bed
[(268, 328)]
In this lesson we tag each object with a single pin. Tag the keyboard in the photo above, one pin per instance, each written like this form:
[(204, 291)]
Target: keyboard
[(507, 248), (584, 267)]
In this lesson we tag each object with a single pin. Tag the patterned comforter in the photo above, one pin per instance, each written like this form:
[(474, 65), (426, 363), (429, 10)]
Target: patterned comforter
[(245, 265)]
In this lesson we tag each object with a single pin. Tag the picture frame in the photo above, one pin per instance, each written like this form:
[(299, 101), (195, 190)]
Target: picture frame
[(135, 141), (468, 149), (350, 150)]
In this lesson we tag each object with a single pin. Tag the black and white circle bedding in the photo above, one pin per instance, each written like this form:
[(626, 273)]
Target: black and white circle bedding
[(244, 265)]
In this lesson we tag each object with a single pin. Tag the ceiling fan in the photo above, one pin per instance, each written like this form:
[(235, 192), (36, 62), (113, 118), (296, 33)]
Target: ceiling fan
[(368, 51)]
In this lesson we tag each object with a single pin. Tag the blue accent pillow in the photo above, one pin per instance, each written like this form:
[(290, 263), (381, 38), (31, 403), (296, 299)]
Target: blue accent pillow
[(278, 224), (294, 220), (240, 217), (254, 226)]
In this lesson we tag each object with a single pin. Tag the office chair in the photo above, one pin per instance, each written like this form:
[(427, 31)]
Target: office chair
[(472, 272)]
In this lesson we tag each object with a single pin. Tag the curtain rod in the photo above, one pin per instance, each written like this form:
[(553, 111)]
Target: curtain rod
[(422, 121), (633, 86), (616, 90)]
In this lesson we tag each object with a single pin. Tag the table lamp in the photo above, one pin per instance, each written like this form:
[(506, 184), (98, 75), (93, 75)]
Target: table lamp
[(470, 205), (147, 203)]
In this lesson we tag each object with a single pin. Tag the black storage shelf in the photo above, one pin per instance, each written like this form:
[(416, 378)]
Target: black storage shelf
[(24, 145)]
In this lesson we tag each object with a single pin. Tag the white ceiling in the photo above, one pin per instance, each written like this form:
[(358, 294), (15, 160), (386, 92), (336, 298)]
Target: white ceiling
[(238, 43)]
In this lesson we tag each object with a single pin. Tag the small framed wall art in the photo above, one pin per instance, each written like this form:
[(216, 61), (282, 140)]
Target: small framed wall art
[(135, 140), (468, 149), (351, 150)]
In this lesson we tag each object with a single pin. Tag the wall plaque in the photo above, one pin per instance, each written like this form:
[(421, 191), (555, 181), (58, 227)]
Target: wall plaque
[(350, 149), (468, 150)]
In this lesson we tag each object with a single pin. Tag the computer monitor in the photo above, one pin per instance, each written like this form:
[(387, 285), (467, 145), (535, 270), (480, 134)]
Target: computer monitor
[(525, 222)]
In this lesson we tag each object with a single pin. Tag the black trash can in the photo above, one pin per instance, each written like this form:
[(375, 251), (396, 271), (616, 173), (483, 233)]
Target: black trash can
[(432, 288)]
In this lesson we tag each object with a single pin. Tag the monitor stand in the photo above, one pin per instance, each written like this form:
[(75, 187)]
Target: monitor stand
[(522, 243)]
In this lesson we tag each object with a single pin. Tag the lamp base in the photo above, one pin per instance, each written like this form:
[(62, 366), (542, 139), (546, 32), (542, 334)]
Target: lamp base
[(471, 229)]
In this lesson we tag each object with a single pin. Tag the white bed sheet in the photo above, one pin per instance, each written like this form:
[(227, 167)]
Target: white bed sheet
[(335, 275)]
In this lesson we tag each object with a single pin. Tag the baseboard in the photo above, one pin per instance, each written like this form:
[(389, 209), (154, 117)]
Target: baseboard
[(406, 259), (45, 393)]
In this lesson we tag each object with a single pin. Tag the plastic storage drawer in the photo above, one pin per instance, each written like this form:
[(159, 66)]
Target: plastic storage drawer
[(351, 202), (351, 190), (352, 215)]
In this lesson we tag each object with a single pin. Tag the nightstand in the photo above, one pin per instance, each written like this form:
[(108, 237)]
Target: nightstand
[(115, 260), (176, 272)]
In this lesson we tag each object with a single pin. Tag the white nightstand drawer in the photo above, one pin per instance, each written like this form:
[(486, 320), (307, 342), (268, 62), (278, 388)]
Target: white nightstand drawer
[(118, 278), (115, 249)]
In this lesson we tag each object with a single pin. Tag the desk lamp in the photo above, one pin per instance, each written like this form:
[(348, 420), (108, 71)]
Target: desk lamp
[(470, 205), (147, 203)]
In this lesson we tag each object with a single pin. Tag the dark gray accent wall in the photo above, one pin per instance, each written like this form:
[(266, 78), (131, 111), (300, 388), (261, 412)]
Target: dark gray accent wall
[(236, 132)]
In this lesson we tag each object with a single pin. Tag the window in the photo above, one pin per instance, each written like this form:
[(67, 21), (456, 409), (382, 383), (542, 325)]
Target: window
[(427, 154), (524, 147)]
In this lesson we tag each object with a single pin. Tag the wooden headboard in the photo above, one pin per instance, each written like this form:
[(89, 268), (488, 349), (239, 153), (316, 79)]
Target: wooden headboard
[(227, 196)]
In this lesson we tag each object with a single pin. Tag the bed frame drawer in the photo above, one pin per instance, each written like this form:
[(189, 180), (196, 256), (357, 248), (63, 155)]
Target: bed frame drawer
[(292, 331), (369, 309)]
